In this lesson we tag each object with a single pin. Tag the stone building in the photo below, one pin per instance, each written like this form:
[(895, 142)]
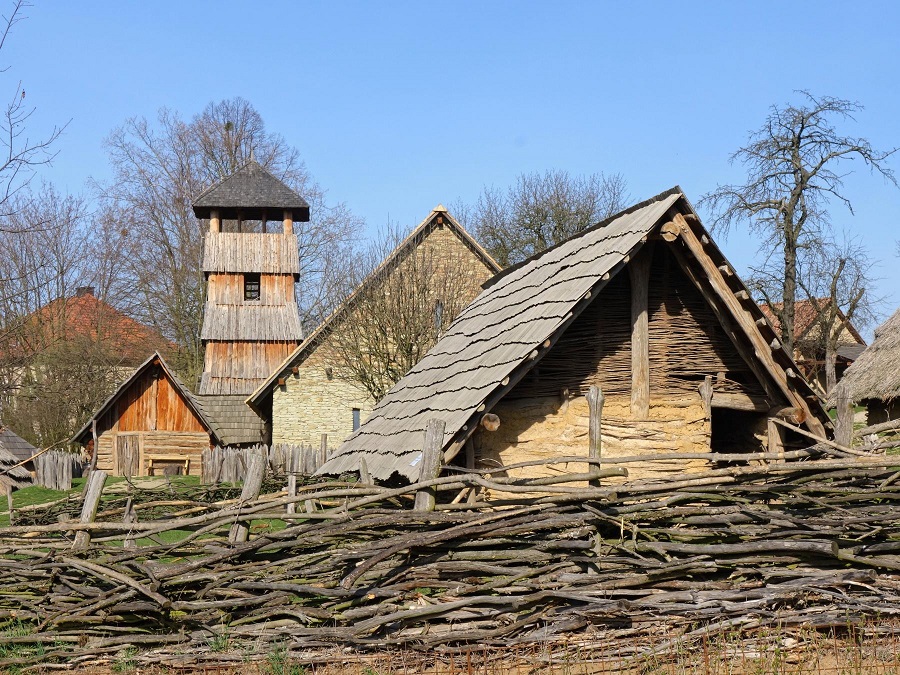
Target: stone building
[(312, 392)]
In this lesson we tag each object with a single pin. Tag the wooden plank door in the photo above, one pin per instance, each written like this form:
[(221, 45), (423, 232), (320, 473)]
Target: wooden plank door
[(127, 454)]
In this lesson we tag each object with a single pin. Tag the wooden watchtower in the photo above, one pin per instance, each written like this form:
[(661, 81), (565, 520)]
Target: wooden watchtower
[(251, 322)]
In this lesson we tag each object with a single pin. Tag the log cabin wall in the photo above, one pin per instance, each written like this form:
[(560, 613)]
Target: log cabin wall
[(546, 414), (150, 420)]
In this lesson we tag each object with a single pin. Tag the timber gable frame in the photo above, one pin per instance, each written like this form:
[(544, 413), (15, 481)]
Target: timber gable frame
[(439, 217), (522, 313), (193, 403)]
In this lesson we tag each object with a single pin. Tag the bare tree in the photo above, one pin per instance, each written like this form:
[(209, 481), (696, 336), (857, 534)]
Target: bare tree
[(51, 377), (540, 210), (160, 168), (20, 154), (793, 164), (837, 280), (398, 309)]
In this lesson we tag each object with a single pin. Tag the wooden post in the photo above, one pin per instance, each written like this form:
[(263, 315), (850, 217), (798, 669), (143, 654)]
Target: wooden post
[(323, 451), (773, 437), (214, 223), (639, 273), (364, 477), (92, 494), (9, 502), (129, 518), (595, 410), (96, 444), (240, 531), (706, 393), (293, 465), (843, 428), (431, 463), (288, 221)]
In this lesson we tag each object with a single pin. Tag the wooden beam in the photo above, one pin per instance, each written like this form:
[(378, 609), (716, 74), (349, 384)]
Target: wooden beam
[(744, 321), (215, 224), (288, 221), (639, 273)]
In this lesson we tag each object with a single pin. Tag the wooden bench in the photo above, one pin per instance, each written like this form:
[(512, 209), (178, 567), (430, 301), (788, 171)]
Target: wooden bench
[(185, 462)]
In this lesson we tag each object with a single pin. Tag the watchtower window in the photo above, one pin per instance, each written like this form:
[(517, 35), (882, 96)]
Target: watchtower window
[(251, 287)]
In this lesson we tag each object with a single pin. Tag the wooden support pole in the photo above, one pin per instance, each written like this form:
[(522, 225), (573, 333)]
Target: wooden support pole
[(293, 467), (773, 437), (240, 531), (706, 393), (843, 428), (92, 494), (595, 400), (431, 463), (364, 477), (215, 225), (288, 221), (639, 273)]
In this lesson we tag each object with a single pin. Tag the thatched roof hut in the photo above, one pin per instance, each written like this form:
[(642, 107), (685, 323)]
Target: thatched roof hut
[(874, 379)]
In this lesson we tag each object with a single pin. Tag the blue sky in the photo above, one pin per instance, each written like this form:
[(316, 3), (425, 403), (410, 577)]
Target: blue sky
[(397, 106)]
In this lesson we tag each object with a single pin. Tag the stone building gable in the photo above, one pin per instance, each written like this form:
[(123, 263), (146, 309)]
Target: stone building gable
[(313, 395)]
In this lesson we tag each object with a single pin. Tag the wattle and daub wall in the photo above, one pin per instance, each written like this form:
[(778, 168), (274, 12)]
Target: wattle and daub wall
[(546, 414)]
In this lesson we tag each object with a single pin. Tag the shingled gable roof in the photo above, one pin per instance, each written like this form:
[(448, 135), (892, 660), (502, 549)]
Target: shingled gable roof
[(15, 445), (251, 190), (506, 330), (81, 436), (407, 245)]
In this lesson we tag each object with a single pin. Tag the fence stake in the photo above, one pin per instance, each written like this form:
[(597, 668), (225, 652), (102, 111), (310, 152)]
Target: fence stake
[(9, 502), (595, 407), (364, 477), (293, 463), (323, 452), (130, 517), (431, 463), (843, 428), (240, 531), (93, 490)]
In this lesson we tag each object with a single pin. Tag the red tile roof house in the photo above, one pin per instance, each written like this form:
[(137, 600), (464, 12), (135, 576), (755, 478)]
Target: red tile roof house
[(809, 350)]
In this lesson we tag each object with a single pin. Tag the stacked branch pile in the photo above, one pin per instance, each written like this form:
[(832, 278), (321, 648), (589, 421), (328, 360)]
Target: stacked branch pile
[(809, 538)]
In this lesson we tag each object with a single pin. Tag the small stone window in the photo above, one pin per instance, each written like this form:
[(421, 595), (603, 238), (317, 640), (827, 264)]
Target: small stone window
[(355, 419), (251, 287)]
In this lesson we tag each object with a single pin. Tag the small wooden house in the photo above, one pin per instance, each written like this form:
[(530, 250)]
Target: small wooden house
[(874, 378), (151, 423), (643, 305), (15, 467), (309, 394)]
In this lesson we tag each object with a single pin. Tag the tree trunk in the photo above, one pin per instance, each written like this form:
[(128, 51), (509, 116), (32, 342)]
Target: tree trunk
[(830, 366), (789, 296)]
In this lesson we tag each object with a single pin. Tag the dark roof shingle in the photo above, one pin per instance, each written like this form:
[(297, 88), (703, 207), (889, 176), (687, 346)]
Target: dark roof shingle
[(251, 190)]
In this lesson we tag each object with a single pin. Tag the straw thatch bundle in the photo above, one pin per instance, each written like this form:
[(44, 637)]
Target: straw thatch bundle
[(876, 373)]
